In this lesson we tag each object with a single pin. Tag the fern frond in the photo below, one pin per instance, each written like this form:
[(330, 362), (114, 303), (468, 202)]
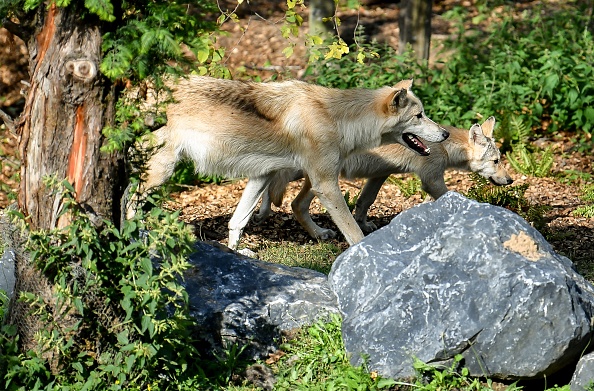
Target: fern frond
[(521, 129), (584, 211), (545, 164), (588, 193)]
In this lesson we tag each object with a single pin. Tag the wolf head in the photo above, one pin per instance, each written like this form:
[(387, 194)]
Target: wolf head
[(485, 158), (408, 124)]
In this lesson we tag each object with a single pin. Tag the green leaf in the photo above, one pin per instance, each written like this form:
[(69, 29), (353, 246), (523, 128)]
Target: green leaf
[(78, 367), (78, 304), (202, 55), (383, 383), (123, 337), (550, 82), (589, 114), (288, 51), (146, 324), (130, 360), (101, 8), (147, 266)]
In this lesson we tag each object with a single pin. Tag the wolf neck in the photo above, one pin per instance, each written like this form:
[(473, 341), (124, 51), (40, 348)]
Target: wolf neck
[(355, 113), (458, 148)]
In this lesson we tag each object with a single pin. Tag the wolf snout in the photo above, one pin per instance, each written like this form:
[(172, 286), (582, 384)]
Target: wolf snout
[(499, 181), (444, 133)]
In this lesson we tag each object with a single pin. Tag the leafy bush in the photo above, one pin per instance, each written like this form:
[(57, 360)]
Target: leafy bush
[(120, 287), (539, 67)]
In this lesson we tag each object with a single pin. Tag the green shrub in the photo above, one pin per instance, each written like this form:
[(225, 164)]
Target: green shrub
[(539, 67), (120, 287)]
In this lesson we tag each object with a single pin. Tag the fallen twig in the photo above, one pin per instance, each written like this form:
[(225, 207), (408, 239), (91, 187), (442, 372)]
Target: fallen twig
[(275, 68)]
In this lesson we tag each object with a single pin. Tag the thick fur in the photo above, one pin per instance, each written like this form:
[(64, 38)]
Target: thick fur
[(474, 150), (235, 128)]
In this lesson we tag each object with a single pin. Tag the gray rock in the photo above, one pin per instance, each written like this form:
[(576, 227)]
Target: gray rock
[(583, 377), (459, 277), (7, 254), (250, 302), (7, 278)]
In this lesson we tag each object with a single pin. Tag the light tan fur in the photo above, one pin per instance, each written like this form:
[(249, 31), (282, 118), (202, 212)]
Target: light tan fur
[(468, 150), (235, 128)]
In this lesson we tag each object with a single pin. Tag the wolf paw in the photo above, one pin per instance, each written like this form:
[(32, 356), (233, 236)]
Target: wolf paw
[(367, 226), (324, 234), (258, 218), (247, 252)]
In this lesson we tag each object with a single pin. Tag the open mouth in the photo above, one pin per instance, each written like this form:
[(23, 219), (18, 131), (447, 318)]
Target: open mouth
[(416, 144)]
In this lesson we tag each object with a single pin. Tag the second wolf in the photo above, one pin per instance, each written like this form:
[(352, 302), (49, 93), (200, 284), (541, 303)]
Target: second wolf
[(468, 150)]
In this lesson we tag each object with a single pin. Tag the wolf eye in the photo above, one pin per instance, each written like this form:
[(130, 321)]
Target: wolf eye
[(420, 115)]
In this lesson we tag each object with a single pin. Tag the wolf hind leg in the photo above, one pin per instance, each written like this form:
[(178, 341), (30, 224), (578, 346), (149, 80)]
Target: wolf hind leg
[(265, 208), (300, 206), (247, 204), (275, 192), (366, 199)]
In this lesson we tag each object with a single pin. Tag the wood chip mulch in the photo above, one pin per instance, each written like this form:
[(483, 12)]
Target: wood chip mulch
[(209, 208)]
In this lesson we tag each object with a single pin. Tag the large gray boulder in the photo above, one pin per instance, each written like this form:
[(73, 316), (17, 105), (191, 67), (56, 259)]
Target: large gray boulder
[(583, 377), (240, 300), (459, 277)]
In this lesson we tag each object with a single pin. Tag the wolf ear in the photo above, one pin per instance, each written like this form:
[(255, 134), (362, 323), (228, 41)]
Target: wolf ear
[(488, 126), (399, 98), (476, 135), (406, 84)]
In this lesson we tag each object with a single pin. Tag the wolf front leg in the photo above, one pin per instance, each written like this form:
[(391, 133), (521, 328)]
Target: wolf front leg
[(247, 204), (300, 206), (328, 191)]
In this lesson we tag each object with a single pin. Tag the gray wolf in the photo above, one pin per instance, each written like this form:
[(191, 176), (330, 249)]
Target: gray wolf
[(468, 150), (235, 128)]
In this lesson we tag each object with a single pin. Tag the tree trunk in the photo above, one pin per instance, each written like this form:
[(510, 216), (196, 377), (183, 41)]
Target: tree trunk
[(318, 10), (62, 120), (414, 22), (67, 105)]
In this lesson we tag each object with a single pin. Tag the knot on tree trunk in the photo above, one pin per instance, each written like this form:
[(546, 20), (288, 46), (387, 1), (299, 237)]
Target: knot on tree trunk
[(81, 69)]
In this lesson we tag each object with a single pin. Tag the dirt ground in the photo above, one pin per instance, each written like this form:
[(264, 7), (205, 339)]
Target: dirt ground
[(254, 46)]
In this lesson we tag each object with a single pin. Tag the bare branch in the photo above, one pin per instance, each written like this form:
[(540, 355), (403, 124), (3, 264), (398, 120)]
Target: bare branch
[(8, 121), (16, 29), (275, 68)]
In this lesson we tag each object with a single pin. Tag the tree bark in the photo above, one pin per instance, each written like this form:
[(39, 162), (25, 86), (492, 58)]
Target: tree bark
[(318, 10), (67, 105), (414, 22), (65, 111)]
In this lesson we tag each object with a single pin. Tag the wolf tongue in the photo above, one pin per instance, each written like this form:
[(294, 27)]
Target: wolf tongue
[(416, 144)]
